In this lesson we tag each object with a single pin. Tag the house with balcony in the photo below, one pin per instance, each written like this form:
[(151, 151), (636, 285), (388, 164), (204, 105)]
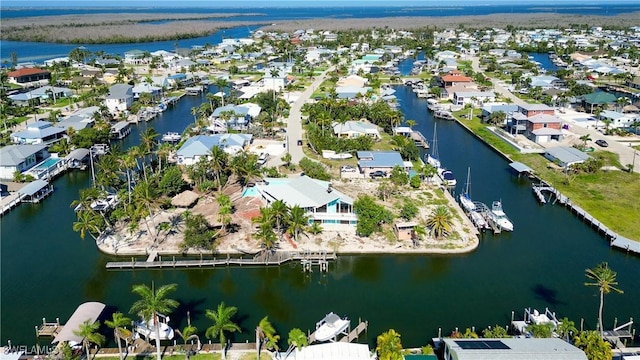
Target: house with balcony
[(530, 110), (119, 98), (618, 120), (235, 117), (543, 128), (39, 132), (200, 146), (20, 158), (29, 76), (323, 204), (354, 129), (473, 97)]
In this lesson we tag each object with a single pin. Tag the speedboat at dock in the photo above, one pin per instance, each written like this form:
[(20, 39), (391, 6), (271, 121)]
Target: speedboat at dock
[(330, 327), (499, 217), (148, 329), (171, 137)]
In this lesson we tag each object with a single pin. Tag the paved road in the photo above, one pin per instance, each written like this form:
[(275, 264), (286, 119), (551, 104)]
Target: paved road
[(624, 151), (294, 122)]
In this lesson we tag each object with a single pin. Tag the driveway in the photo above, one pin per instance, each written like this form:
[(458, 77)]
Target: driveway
[(294, 122)]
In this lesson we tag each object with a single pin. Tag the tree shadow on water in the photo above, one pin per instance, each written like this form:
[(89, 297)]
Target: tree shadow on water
[(546, 294)]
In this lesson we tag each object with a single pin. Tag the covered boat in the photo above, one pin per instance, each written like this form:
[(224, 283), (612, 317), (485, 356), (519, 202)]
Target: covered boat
[(148, 330), (330, 327)]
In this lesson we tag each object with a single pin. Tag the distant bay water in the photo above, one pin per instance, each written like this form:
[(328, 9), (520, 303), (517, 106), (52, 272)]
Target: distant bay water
[(38, 52)]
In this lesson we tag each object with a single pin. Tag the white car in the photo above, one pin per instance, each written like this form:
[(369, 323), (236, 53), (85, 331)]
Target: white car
[(348, 169), (262, 159)]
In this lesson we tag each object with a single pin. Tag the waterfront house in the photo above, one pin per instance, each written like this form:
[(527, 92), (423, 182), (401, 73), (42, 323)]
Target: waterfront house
[(370, 161), (634, 83), (454, 77), (543, 128), (473, 97), (530, 110), (600, 98), (489, 109), (351, 92), (29, 76), (333, 351), (236, 117), (511, 349), (20, 158), (120, 130), (39, 132), (80, 119), (354, 129), (119, 98), (323, 203), (200, 146), (135, 57), (566, 156), (145, 88)]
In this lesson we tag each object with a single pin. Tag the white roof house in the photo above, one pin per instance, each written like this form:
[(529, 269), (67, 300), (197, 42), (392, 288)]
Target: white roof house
[(39, 132), (20, 158), (323, 203), (200, 146), (511, 349), (119, 98), (333, 351), (566, 155), (354, 129)]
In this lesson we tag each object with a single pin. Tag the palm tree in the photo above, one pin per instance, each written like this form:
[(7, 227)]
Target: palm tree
[(297, 222), (594, 346), (279, 212), (225, 210), (117, 323), (221, 84), (267, 334), (145, 193), (188, 332), (411, 123), (88, 222), (584, 139), (440, 221), (151, 303), (605, 279), (217, 163), (222, 323), (566, 328), (89, 333), (389, 346), (266, 234), (297, 338)]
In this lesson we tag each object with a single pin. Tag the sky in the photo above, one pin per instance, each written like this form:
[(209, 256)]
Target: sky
[(298, 3)]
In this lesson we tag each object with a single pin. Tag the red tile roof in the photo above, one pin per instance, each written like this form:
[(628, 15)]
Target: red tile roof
[(25, 72), (456, 78)]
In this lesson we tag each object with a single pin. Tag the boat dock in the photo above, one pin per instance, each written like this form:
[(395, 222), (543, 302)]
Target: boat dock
[(615, 240), (419, 139), (48, 328), (264, 258), (350, 336)]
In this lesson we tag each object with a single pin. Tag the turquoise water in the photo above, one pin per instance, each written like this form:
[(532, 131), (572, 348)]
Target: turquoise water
[(251, 191), (48, 163)]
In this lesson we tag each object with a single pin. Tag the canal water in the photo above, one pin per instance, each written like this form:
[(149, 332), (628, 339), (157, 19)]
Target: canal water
[(47, 270)]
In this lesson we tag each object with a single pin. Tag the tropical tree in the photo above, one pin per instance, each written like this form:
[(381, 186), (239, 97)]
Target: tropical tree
[(89, 332), (117, 323), (297, 221), (297, 338), (584, 139), (217, 163), (221, 84), (151, 303), (440, 221), (566, 329), (265, 333), (279, 212), (389, 346), (88, 222), (222, 323), (225, 210), (188, 332), (605, 279), (593, 345)]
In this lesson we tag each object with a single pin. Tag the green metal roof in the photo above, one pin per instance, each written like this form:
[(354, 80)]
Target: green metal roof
[(600, 97)]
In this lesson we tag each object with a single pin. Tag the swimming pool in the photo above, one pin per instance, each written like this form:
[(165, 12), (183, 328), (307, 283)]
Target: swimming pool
[(50, 162), (250, 191)]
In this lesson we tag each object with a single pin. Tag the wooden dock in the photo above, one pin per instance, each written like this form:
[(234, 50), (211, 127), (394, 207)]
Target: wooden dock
[(419, 139), (264, 258), (49, 329), (355, 333)]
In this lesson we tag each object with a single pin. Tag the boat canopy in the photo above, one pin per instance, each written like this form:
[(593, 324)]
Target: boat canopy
[(33, 187), (87, 311), (520, 167)]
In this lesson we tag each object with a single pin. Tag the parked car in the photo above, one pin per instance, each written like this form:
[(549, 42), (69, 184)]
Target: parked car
[(602, 143), (348, 168), (299, 142), (378, 174), (262, 159)]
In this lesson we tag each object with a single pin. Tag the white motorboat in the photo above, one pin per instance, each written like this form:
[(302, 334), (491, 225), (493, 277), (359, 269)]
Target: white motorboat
[(171, 137), (478, 220), (447, 177), (433, 104), (465, 199), (148, 330), (499, 217), (330, 327)]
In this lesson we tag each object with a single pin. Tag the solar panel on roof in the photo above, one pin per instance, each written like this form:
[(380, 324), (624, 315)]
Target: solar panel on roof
[(482, 345)]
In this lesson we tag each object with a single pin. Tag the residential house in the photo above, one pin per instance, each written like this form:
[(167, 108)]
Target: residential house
[(546, 82), (453, 78), (566, 156), (322, 203), (354, 129), (352, 80), (617, 120), (530, 110), (29, 76), (489, 109), (543, 128), (370, 161), (351, 92), (119, 98), (39, 95), (39, 132), (135, 57), (634, 83), (515, 348), (20, 158), (597, 99), (236, 117), (473, 97), (200, 146), (275, 78), (145, 88), (80, 119)]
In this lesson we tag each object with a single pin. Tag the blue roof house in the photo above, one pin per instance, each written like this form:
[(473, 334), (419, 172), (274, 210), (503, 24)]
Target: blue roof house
[(39, 132), (200, 146), (323, 204), (370, 161)]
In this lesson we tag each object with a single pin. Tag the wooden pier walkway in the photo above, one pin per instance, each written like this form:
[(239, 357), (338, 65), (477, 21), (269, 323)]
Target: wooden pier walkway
[(355, 333), (615, 239), (264, 258)]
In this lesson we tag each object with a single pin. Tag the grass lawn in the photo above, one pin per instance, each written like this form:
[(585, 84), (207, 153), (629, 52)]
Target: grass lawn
[(609, 196)]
